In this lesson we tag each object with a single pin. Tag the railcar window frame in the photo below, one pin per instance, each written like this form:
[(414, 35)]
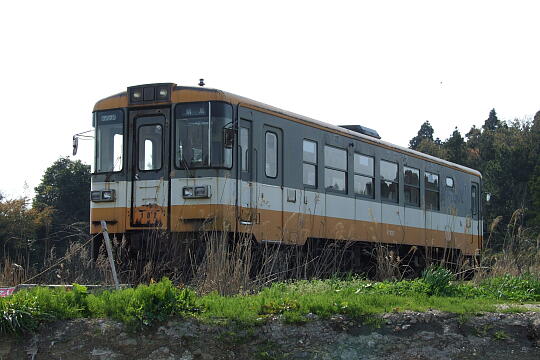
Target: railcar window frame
[(407, 185), (475, 210), (227, 157), (363, 174), (97, 143), (275, 154), (452, 181), (430, 190), (159, 144), (243, 134), (386, 182), (330, 168), (309, 163)]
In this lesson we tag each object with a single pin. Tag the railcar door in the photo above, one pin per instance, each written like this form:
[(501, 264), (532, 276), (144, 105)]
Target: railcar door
[(247, 163), (150, 168), (270, 185)]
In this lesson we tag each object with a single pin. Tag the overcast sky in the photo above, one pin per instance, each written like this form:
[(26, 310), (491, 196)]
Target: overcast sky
[(388, 65)]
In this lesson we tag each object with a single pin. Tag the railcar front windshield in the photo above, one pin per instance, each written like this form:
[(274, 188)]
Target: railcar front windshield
[(200, 133), (109, 141)]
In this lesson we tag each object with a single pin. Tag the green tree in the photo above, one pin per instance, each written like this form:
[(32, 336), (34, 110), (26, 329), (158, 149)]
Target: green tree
[(18, 226), (65, 187), (432, 148), (456, 150), (425, 133), (507, 161), (65, 190), (492, 122), (473, 147), (534, 182), (534, 186)]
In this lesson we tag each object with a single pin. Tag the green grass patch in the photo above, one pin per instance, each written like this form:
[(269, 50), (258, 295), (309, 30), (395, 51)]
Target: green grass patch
[(357, 298)]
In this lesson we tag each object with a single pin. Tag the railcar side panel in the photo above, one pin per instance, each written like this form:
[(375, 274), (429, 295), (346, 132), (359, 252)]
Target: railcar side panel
[(409, 198)]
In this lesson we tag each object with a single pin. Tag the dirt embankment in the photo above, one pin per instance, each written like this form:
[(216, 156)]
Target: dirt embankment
[(407, 335)]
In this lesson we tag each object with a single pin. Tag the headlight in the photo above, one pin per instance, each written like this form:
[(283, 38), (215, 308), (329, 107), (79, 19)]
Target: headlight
[(136, 95), (107, 195), (95, 195), (199, 192), (187, 192), (102, 195), (163, 93)]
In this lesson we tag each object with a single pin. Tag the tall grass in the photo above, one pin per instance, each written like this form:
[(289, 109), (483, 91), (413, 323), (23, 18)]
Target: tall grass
[(513, 251), (236, 263)]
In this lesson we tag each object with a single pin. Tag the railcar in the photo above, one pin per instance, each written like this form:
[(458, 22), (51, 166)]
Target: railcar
[(184, 159)]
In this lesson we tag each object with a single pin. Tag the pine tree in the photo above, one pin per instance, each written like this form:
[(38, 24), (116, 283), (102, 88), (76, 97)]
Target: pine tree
[(492, 122), (425, 133), (455, 148)]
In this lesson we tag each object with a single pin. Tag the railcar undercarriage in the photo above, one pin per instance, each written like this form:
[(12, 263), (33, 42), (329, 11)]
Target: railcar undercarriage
[(144, 256)]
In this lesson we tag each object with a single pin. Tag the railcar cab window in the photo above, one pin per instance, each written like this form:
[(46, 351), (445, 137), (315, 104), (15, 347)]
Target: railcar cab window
[(412, 186), (309, 158), (432, 191), (389, 181), (335, 169), (364, 175), (271, 154), (109, 141), (200, 130)]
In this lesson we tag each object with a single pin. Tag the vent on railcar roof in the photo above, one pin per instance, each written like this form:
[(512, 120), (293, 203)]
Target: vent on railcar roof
[(362, 130)]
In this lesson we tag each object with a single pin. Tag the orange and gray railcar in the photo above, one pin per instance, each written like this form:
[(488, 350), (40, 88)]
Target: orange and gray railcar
[(189, 159)]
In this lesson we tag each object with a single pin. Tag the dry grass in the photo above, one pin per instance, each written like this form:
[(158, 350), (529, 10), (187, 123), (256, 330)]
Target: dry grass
[(519, 251), (227, 264), (231, 264), (74, 266), (11, 273)]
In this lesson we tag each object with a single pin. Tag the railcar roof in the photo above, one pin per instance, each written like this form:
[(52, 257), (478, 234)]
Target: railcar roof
[(185, 93)]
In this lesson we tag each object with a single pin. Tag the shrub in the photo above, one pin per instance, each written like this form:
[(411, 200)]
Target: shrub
[(19, 314), (438, 280), (516, 288), (145, 304)]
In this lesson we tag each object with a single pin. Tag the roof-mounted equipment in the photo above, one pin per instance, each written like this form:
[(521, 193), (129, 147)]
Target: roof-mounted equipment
[(362, 130)]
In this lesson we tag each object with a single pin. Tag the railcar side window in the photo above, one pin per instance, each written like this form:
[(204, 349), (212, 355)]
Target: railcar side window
[(432, 191), (474, 199), (310, 163), (412, 186), (450, 182), (244, 143), (389, 181), (271, 154), (364, 175), (150, 147), (109, 141), (335, 168)]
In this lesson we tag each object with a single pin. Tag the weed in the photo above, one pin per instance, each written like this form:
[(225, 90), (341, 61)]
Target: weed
[(463, 319), (268, 350), (373, 321), (483, 330), (438, 280), (500, 335)]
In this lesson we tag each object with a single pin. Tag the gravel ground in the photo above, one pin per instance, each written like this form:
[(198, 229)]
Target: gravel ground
[(405, 335)]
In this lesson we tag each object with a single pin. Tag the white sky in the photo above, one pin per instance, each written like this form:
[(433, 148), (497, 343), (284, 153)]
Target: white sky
[(388, 65)]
